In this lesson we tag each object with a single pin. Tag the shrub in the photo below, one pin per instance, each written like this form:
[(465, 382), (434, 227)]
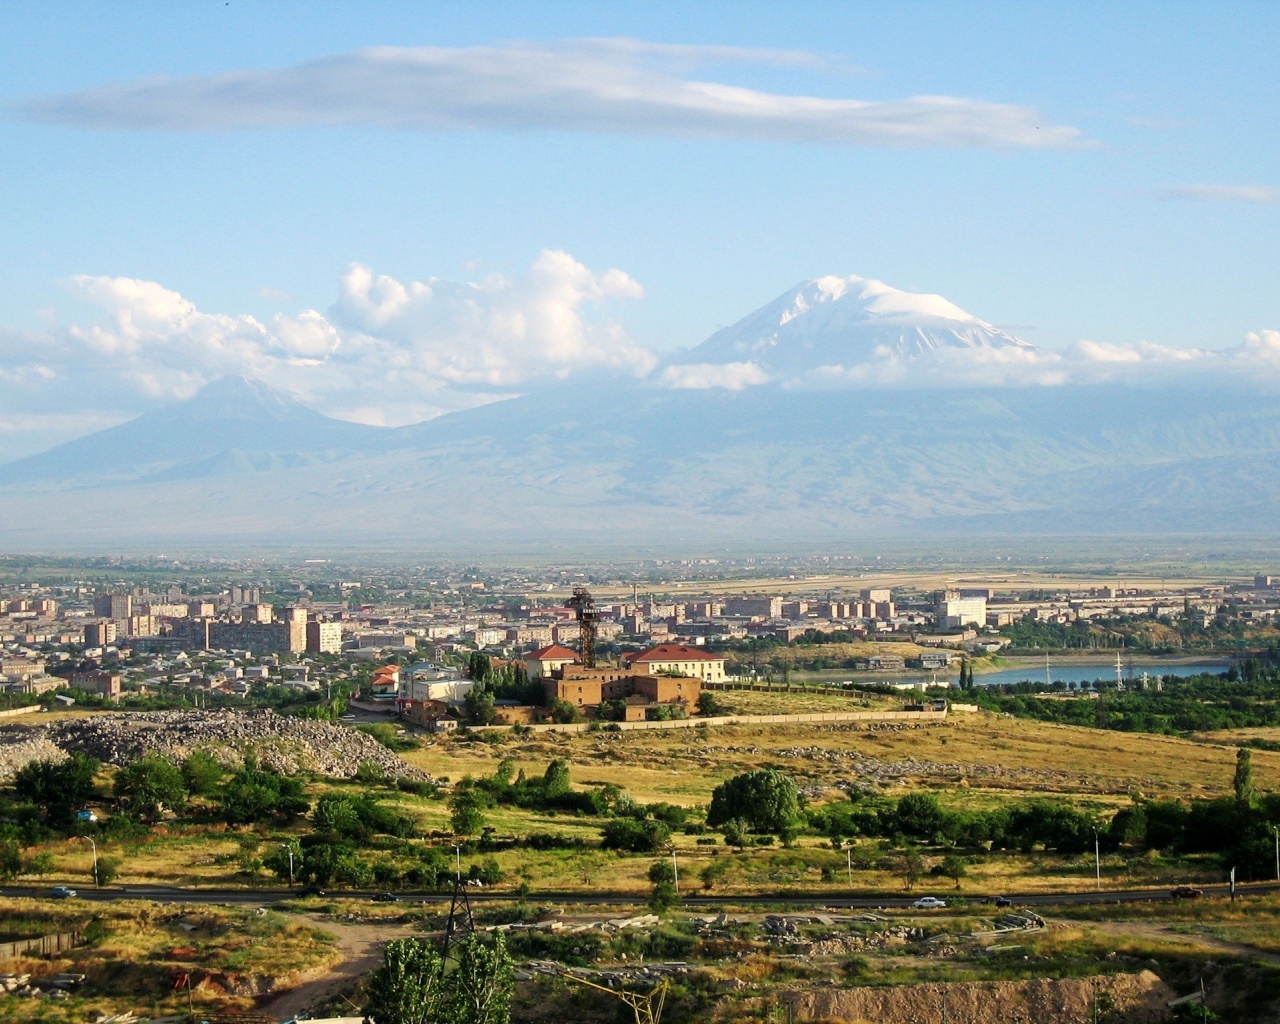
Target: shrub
[(633, 836)]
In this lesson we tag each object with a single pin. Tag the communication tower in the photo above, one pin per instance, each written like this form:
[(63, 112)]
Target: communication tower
[(583, 603)]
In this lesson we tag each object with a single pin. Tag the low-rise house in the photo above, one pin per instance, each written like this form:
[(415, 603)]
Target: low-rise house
[(676, 659), (546, 661)]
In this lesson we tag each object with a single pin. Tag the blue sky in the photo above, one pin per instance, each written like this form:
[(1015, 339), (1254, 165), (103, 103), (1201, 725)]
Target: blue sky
[(1151, 214)]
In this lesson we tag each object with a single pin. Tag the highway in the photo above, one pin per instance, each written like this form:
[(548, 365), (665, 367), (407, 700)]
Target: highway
[(835, 900)]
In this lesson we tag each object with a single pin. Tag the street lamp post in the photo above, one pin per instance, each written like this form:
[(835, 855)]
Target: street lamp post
[(1276, 829), (289, 850), (1097, 858), (94, 846), (675, 868)]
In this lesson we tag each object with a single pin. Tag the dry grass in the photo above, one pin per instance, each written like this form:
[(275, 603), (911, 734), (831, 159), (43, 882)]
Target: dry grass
[(973, 761), (684, 766), (227, 952)]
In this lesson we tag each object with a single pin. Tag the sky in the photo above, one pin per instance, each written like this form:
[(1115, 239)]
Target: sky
[(397, 210)]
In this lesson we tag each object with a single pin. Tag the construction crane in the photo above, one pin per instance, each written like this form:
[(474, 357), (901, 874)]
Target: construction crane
[(584, 604), (647, 1008)]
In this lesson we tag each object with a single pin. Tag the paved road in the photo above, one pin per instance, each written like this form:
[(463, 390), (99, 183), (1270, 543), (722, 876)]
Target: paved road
[(868, 901)]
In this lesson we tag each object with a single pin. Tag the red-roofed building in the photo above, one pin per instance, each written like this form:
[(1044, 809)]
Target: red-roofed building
[(540, 664), (386, 680), (676, 659)]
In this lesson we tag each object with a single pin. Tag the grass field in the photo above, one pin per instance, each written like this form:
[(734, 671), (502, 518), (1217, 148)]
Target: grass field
[(973, 761)]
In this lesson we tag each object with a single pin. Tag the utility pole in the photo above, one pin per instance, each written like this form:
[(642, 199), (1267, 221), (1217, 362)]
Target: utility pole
[(848, 854), (1097, 858), (1276, 828), (88, 840)]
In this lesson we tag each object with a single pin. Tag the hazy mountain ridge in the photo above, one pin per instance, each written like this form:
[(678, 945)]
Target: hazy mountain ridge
[(233, 422), (605, 461)]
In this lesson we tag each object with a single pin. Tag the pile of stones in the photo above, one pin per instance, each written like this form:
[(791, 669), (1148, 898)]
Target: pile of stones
[(278, 742)]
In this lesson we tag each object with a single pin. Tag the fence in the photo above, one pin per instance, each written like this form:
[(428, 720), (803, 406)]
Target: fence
[(690, 723), (30, 709), (42, 944)]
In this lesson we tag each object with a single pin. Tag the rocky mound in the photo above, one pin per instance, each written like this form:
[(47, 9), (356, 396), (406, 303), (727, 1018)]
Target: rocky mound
[(279, 742), (1138, 998), (19, 745)]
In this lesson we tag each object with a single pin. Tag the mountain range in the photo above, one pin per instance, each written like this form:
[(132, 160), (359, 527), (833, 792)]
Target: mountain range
[(617, 463)]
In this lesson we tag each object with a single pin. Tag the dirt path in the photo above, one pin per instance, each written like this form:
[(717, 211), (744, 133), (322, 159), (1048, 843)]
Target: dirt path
[(361, 948), (1159, 933)]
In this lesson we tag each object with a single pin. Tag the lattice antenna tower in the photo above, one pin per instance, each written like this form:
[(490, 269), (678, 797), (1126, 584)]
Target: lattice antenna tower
[(583, 603)]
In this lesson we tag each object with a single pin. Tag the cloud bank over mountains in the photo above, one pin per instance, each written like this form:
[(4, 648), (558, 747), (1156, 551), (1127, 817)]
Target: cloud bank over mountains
[(391, 352), (606, 86), (386, 352)]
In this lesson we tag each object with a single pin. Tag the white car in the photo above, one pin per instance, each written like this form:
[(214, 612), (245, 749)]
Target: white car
[(930, 903)]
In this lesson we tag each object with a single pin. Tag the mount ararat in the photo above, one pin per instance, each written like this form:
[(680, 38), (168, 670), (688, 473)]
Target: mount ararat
[(730, 444)]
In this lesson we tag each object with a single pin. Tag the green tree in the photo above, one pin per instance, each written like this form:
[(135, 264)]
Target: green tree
[(708, 704), (635, 836), (563, 713), (10, 860), (953, 867), (920, 815), (107, 869), (480, 705), (407, 988), (253, 795), (735, 833), (338, 813), (149, 786), (910, 867), (1246, 791), (278, 861), (59, 788), (203, 773), (767, 800), (555, 780), (325, 861), (38, 864), (465, 813), (480, 987), (479, 666), (664, 895)]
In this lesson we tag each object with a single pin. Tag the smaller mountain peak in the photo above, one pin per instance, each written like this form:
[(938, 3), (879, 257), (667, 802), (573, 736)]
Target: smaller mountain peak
[(245, 397)]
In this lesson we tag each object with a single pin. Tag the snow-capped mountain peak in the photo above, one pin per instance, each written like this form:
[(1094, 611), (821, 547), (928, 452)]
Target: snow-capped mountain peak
[(844, 321)]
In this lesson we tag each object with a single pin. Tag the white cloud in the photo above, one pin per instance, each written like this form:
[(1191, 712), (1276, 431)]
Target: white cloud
[(614, 86), (1256, 360), (1222, 193), (388, 352), (496, 332), (704, 376)]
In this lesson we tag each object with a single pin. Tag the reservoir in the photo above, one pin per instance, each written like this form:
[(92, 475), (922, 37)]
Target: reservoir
[(1075, 673)]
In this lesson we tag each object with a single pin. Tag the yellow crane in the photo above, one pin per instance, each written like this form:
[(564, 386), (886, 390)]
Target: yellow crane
[(647, 1008)]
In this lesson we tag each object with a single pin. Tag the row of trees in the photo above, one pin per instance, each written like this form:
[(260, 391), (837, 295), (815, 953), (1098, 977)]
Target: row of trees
[(413, 986), (1196, 704)]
